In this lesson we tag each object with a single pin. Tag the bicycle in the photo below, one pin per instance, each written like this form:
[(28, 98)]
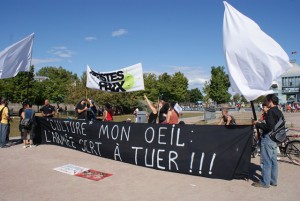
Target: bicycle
[(289, 148)]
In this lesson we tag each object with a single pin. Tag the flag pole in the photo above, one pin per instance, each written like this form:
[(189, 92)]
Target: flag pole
[(28, 80), (253, 111)]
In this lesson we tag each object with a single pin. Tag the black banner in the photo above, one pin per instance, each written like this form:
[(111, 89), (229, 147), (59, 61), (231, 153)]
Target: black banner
[(201, 150)]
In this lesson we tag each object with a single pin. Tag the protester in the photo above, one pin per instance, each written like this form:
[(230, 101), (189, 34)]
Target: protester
[(4, 123), (173, 115), (153, 114), (81, 109), (108, 113), (20, 115), (226, 118), (92, 110), (29, 115), (47, 110), (163, 111), (135, 114), (269, 165), (265, 110)]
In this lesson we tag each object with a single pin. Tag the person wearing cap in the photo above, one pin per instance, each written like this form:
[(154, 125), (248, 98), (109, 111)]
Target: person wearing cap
[(47, 110)]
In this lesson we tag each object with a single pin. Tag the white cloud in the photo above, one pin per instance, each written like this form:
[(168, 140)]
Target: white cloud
[(43, 61), (90, 38), (195, 75), (119, 32), (61, 51)]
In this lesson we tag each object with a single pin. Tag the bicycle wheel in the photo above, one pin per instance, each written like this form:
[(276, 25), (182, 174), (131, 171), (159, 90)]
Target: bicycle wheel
[(254, 152), (293, 151)]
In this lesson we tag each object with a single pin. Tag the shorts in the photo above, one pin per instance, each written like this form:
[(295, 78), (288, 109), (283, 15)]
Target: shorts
[(29, 131)]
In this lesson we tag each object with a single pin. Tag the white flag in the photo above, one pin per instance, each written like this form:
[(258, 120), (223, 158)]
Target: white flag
[(16, 57), (253, 58), (123, 80)]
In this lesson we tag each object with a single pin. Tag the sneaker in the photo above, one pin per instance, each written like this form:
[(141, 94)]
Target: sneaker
[(32, 145), (5, 146), (258, 184), (273, 185), (278, 158), (25, 146)]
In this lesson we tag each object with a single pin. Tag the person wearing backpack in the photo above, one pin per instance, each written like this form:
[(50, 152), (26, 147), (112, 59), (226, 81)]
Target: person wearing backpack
[(28, 125), (4, 125), (268, 150)]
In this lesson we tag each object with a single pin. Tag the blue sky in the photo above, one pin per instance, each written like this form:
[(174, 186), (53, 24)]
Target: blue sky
[(164, 35)]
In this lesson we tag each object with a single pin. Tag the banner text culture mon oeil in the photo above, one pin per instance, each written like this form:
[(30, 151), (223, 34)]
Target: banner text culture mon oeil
[(209, 151)]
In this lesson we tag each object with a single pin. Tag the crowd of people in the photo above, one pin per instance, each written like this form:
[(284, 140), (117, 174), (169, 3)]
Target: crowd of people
[(161, 113)]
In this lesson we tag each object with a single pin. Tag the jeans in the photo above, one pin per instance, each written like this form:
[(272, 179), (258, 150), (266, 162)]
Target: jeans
[(3, 133), (268, 157)]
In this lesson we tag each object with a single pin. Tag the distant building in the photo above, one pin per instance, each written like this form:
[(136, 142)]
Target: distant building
[(40, 78), (287, 86)]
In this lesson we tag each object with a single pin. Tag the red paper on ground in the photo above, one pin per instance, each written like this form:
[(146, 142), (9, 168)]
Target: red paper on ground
[(93, 175)]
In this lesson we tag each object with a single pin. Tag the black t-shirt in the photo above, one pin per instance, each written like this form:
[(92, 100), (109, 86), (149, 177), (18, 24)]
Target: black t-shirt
[(152, 118), (82, 115), (163, 110), (47, 109), (272, 117)]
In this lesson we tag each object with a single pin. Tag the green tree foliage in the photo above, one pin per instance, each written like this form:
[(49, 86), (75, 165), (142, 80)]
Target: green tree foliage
[(151, 86), (195, 95), (260, 99), (218, 86), (64, 86), (243, 99), (59, 83), (179, 87), (15, 89), (165, 86), (236, 98)]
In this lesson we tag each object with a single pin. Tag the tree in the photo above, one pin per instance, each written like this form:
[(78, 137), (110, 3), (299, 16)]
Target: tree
[(59, 82), (243, 99), (218, 85), (236, 98), (195, 95), (15, 88), (179, 87), (151, 86), (165, 86)]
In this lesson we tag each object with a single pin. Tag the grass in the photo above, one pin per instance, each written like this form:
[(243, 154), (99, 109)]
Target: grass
[(14, 124)]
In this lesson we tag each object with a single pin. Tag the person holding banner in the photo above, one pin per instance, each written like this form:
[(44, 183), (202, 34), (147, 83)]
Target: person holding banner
[(108, 113), (153, 114), (173, 115), (92, 110), (268, 150), (47, 110), (81, 109), (163, 111)]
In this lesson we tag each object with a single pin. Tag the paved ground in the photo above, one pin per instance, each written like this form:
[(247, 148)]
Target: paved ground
[(27, 174)]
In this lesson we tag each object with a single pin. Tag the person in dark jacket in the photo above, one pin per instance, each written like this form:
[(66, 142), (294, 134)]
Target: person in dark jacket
[(269, 165)]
